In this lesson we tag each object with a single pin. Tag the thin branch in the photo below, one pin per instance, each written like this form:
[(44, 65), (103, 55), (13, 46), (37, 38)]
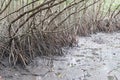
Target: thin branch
[(2, 3), (32, 15), (117, 13), (77, 12), (6, 7), (115, 10), (64, 10), (19, 9)]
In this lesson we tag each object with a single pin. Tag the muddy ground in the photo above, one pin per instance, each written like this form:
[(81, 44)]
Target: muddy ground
[(97, 57)]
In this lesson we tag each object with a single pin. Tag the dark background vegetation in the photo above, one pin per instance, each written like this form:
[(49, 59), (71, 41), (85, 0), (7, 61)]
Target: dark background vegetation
[(30, 28)]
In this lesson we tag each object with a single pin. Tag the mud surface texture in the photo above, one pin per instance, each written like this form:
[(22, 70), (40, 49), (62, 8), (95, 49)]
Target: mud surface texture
[(97, 57)]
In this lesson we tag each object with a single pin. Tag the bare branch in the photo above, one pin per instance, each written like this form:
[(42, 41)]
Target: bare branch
[(6, 7)]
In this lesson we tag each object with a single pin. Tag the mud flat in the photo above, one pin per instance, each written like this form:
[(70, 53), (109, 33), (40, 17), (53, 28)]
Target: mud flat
[(97, 57)]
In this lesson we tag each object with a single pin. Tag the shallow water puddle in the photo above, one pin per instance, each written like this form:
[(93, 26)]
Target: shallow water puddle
[(96, 58)]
